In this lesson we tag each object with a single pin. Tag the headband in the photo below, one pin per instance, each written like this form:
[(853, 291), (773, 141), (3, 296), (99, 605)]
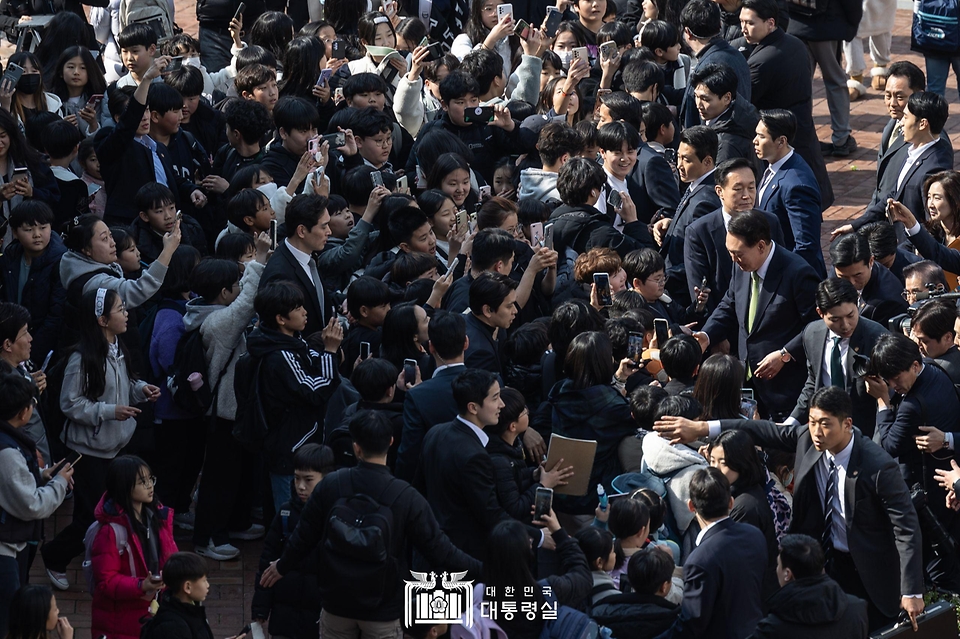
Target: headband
[(101, 298), (381, 20)]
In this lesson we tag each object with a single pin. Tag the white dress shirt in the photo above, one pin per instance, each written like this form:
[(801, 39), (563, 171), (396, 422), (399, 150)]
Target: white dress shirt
[(773, 168), (912, 156), (302, 258), (838, 530), (709, 526), (482, 436)]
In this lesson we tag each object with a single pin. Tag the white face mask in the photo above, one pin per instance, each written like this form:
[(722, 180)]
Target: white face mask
[(565, 58)]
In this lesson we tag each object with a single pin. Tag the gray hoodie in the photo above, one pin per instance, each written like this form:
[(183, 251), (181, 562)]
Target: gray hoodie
[(21, 497), (539, 184), (92, 427), (222, 330), (132, 292)]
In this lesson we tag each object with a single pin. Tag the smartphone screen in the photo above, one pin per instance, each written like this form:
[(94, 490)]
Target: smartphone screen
[(748, 407), (335, 140), (747, 393), (324, 77), (602, 281), (635, 347), (615, 200), (479, 114), (543, 503), (662, 329), (365, 350), (522, 30), (410, 371)]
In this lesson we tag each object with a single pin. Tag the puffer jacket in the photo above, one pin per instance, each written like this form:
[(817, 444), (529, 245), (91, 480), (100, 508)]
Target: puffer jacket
[(736, 128), (635, 616), (118, 601), (516, 489)]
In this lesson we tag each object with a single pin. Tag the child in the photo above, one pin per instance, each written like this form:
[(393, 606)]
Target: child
[(185, 155), (181, 612), (188, 47), (413, 233), (87, 156), (630, 524), (300, 382), (646, 274), (408, 267), (249, 212), (258, 82), (645, 612), (295, 119), (35, 251), (293, 603), (77, 78), (34, 615), (138, 47), (198, 119), (247, 122), (98, 397), (61, 140), (157, 217), (504, 177), (598, 547), (368, 302), (663, 39), (375, 379), (125, 586), (237, 247), (680, 356), (128, 255)]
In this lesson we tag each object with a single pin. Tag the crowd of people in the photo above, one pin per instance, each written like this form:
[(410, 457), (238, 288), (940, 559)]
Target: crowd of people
[(338, 276)]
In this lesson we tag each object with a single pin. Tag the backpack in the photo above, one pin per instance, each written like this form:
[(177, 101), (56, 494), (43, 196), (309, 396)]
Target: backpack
[(569, 623), (146, 331), (357, 544), (123, 547), (250, 427), (936, 27), (154, 13), (341, 443), (808, 8), (191, 358)]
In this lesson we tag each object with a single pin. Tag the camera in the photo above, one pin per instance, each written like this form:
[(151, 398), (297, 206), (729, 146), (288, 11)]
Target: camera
[(901, 323), (860, 366)]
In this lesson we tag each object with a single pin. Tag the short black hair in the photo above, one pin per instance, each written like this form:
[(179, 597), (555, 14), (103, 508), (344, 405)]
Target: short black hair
[(577, 178), (404, 222), (314, 457), (182, 567), (725, 168), (277, 298), (833, 400), (640, 75), (557, 139), (372, 431), (612, 136), (457, 85), (448, 333), (802, 554), (648, 569), (408, 267), (709, 489), (490, 289), (233, 246), (627, 517), (305, 210), (780, 123), (163, 98), (248, 117), (655, 116), (118, 98), (850, 249), (750, 226), (906, 69), (929, 106), (659, 34), (527, 344), (718, 78), (212, 275), (642, 263), (471, 387), (680, 356), (616, 31), (491, 246), (936, 318), (702, 139), (16, 393), (153, 195), (255, 55), (369, 122), (60, 138), (882, 237), (834, 291), (136, 34), (251, 76), (366, 291), (187, 80), (363, 83), (701, 18), (621, 105), (31, 212), (291, 113), (373, 378), (484, 65), (765, 9), (893, 354)]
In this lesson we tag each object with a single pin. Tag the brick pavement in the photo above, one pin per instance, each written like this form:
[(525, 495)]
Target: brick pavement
[(853, 182)]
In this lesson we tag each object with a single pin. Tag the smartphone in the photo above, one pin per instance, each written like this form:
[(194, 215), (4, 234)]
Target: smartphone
[(19, 173), (484, 192), (747, 393), (240, 9), (452, 268), (313, 145), (536, 234), (389, 7), (13, 73), (364, 350), (748, 407), (46, 362), (339, 49), (436, 51), (635, 347), (479, 114), (403, 184), (335, 140), (179, 216), (581, 53), (71, 459), (602, 281), (95, 101), (614, 200), (522, 30), (324, 77), (890, 217), (548, 236), (662, 329), (273, 234), (472, 222), (462, 221), (554, 18), (338, 94), (175, 63), (377, 178), (503, 10), (608, 50), (410, 371), (543, 503)]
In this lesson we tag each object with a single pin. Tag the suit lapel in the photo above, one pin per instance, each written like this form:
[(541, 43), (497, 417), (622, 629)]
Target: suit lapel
[(820, 339), (856, 343), (305, 281), (769, 285), (929, 153), (808, 464), (850, 482)]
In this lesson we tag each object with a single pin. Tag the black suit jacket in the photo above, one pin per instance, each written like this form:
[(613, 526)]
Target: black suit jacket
[(425, 405), (882, 524), (483, 351), (722, 581), (881, 296), (652, 185), (702, 201), (705, 254), (284, 266), (809, 346), (785, 306)]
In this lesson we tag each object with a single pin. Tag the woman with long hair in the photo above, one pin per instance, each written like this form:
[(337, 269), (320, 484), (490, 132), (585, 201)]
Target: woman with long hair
[(124, 584), (30, 96), (273, 31), (376, 30), (15, 155), (485, 31), (405, 337), (441, 211), (34, 615), (304, 61), (942, 193), (718, 387)]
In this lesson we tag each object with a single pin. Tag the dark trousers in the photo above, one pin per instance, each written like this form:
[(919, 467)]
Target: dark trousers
[(842, 569), (89, 484), (226, 487), (215, 48), (180, 444), (9, 584)]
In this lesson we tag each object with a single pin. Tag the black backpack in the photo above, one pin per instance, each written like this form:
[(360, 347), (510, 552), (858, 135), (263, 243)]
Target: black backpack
[(146, 334), (190, 359), (250, 425), (341, 443), (357, 542)]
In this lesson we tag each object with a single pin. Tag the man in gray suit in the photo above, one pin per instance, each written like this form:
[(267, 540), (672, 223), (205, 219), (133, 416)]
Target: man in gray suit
[(829, 348)]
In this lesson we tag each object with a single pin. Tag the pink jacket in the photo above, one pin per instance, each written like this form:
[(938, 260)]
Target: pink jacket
[(118, 603)]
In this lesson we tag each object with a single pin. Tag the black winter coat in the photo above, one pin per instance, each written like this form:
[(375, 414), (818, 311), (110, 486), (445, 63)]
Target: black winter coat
[(839, 22), (635, 616), (813, 608), (487, 143), (515, 486), (177, 620), (583, 227), (150, 243)]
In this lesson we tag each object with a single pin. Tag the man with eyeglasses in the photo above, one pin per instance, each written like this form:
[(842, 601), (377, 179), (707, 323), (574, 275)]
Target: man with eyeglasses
[(922, 278)]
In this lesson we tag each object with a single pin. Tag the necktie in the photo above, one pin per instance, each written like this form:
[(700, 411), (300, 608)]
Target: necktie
[(315, 275), (829, 498), (895, 133), (685, 198), (754, 300), (836, 366), (764, 181)]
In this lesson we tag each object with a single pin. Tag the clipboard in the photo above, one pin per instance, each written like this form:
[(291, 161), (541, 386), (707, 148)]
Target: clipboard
[(578, 453)]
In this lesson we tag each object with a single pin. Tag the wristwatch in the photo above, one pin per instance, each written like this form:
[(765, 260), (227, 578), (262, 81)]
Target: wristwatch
[(784, 356)]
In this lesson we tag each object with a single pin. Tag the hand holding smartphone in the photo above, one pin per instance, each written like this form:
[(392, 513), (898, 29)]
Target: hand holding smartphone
[(543, 503), (602, 282), (409, 371), (70, 459), (662, 329)]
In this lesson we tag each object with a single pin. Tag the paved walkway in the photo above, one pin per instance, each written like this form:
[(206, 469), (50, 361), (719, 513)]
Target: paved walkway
[(853, 182)]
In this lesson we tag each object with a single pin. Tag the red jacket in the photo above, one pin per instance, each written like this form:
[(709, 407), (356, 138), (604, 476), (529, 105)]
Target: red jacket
[(118, 600)]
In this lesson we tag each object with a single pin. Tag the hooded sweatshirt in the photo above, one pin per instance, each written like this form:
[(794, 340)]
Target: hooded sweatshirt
[(133, 292), (679, 462), (539, 184), (813, 608)]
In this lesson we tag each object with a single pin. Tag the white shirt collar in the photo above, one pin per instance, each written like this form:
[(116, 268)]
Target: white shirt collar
[(776, 166), (842, 458), (915, 152), (699, 180), (482, 436), (709, 526), (762, 271), (445, 366), (726, 218), (303, 258)]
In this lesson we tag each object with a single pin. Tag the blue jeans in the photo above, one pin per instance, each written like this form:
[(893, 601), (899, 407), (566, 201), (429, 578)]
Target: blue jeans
[(280, 487), (937, 71)]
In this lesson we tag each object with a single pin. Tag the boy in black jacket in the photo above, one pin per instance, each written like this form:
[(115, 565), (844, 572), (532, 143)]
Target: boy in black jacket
[(300, 382), (61, 141), (181, 614), (368, 302), (295, 119), (158, 216), (293, 605)]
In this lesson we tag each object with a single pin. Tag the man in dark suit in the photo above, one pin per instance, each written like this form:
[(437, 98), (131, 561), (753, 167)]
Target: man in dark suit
[(781, 78), (885, 248), (771, 298), (704, 251), (651, 184), (455, 472), (934, 331), (308, 227), (728, 552), (903, 80), (431, 402), (879, 289), (915, 427), (873, 537), (493, 307), (701, 29), (788, 188), (842, 330)]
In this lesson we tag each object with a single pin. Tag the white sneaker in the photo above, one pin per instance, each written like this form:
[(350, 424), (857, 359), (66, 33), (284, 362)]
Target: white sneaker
[(58, 579), (223, 552), (255, 531), (184, 521)]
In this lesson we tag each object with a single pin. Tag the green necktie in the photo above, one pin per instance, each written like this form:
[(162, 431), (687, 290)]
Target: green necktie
[(836, 366), (754, 300)]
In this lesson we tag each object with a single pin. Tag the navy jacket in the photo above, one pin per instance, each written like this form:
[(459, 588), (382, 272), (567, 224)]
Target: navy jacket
[(703, 200), (881, 296), (284, 266), (483, 351), (424, 406), (652, 185)]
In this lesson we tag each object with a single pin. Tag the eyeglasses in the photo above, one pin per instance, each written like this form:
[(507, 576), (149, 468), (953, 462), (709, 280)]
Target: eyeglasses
[(659, 281), (148, 482), (384, 143)]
